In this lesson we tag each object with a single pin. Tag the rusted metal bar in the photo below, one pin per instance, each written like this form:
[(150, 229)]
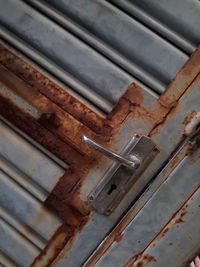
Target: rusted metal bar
[(58, 94)]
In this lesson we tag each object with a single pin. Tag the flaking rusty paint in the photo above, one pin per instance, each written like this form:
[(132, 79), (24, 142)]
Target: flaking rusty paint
[(60, 95), (54, 246), (182, 80), (64, 125), (116, 236), (58, 106), (140, 260)]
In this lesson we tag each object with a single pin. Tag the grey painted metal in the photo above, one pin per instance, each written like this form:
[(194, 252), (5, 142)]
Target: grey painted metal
[(157, 214), (84, 48), (25, 208), (177, 21), (182, 17), (182, 241), (40, 148), (55, 70), (14, 244), (190, 101), (37, 240), (5, 261), (29, 159), (124, 44), (27, 174)]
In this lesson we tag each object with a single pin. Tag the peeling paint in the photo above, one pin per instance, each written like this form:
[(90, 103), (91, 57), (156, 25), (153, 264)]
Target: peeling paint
[(63, 118)]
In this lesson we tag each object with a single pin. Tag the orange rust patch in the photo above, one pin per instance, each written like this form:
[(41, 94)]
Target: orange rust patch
[(133, 95), (57, 94), (54, 246), (182, 80), (118, 236), (140, 260), (52, 117), (63, 118)]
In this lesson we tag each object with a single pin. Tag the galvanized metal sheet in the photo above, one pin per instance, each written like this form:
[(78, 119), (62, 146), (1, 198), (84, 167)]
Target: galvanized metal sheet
[(101, 59)]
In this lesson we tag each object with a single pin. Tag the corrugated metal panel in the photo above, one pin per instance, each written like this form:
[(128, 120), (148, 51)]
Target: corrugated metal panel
[(99, 47), (27, 174), (165, 224)]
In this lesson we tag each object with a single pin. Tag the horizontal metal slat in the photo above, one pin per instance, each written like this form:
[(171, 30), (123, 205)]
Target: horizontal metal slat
[(6, 261), (28, 233), (23, 180), (16, 246), (40, 148), (98, 44), (49, 66), (65, 50), (145, 17), (26, 208), (129, 38), (27, 173), (181, 16), (23, 155)]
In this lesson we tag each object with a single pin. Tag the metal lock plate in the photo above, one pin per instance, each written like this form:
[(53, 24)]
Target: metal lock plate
[(122, 174)]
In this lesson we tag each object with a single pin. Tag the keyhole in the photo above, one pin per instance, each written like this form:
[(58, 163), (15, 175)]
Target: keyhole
[(112, 188)]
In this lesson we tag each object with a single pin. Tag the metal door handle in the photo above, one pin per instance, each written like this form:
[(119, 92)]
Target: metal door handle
[(130, 161)]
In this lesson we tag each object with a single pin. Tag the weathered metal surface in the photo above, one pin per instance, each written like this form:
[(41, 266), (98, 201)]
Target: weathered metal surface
[(27, 175), (125, 45), (175, 21), (148, 235), (100, 60), (58, 94), (137, 111), (168, 124), (179, 18), (117, 234), (119, 178), (48, 114), (24, 156), (179, 235), (15, 244)]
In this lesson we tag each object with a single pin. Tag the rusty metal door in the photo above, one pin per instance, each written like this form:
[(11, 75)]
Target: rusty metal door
[(62, 76)]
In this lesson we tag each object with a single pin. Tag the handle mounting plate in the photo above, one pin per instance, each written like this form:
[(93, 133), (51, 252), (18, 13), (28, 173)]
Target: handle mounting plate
[(118, 180)]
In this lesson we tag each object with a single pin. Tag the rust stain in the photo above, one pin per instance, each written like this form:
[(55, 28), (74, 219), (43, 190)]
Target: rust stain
[(140, 260), (52, 117), (54, 246), (182, 80), (116, 236), (59, 95), (62, 119), (173, 222), (189, 117)]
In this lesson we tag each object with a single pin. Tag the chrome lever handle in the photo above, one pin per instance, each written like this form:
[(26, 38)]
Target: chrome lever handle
[(131, 161)]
